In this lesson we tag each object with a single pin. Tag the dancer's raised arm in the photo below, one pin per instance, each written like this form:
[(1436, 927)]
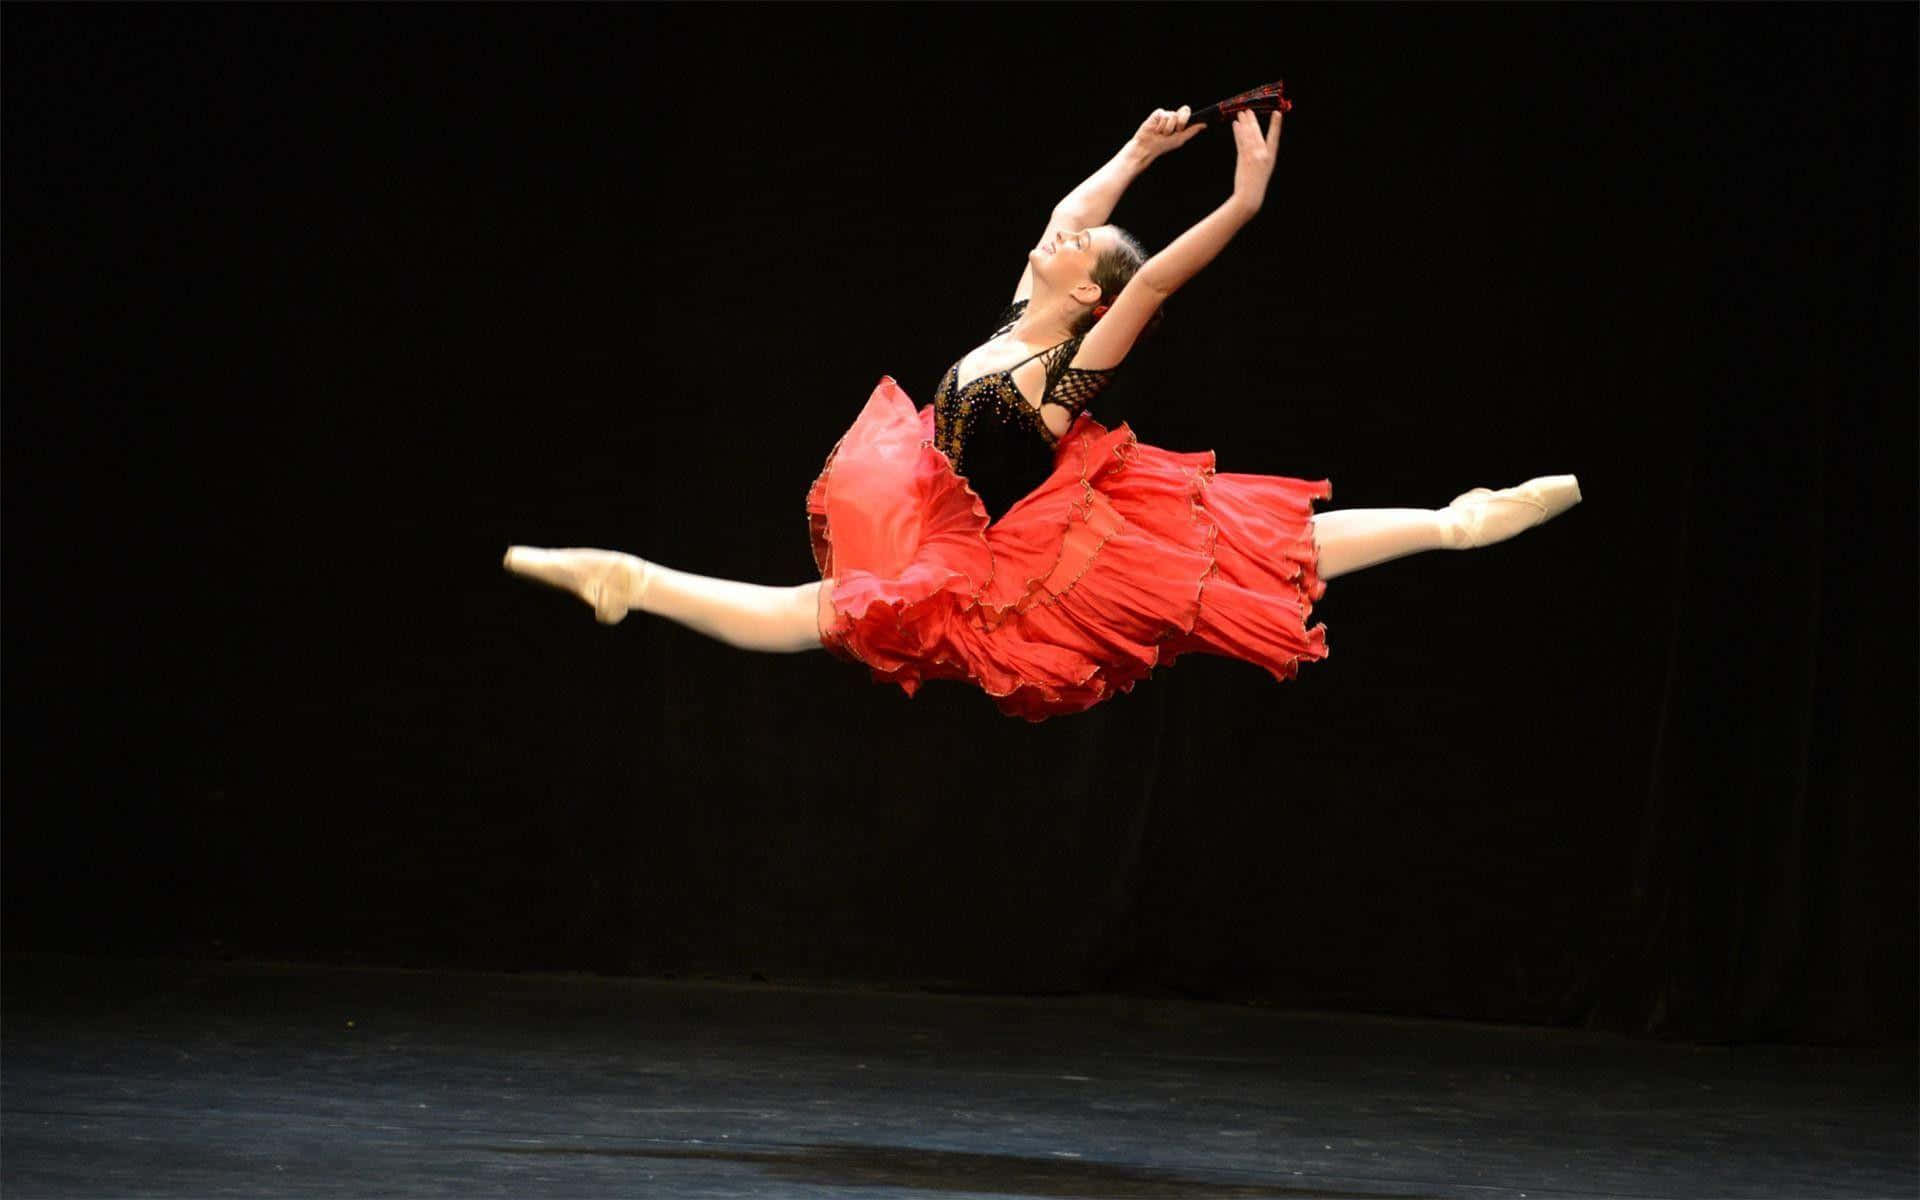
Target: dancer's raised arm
[(1160, 276), (1093, 201)]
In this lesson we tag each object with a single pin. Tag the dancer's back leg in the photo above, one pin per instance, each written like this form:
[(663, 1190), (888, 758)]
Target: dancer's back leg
[(1352, 538), (779, 620)]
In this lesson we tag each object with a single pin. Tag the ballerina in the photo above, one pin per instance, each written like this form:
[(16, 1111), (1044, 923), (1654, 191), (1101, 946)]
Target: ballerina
[(1002, 536)]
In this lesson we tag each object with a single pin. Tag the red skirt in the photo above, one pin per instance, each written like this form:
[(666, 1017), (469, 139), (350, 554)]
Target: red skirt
[(1125, 558)]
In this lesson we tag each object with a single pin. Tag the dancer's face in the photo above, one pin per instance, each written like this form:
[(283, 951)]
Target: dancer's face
[(1065, 260)]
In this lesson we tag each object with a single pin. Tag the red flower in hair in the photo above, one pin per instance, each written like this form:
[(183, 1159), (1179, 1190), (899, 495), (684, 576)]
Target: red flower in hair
[(1099, 310)]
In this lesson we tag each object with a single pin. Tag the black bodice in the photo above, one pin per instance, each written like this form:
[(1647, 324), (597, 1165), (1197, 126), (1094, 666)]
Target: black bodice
[(993, 435)]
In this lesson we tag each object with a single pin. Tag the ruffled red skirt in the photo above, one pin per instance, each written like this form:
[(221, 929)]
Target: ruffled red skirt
[(1125, 558)]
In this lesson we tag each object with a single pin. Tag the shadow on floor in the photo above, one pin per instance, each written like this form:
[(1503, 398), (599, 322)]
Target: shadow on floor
[(960, 1171)]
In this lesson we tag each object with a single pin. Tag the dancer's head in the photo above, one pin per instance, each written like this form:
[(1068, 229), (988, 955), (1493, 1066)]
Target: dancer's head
[(1090, 265)]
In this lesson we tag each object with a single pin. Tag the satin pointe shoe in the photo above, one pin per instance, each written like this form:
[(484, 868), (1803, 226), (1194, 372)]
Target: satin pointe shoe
[(611, 583), (1482, 516)]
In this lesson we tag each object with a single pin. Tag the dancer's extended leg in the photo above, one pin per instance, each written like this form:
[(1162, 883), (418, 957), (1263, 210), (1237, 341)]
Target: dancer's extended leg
[(1352, 538), (781, 620)]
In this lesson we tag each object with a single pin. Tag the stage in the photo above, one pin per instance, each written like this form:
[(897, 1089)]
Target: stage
[(174, 1078)]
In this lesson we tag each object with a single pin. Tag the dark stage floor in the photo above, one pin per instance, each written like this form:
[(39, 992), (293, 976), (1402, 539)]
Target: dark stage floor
[(167, 1078)]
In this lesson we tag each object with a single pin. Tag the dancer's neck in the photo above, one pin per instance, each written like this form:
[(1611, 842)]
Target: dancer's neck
[(1048, 319)]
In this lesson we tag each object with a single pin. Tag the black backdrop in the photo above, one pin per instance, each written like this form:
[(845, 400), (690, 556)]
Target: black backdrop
[(310, 312)]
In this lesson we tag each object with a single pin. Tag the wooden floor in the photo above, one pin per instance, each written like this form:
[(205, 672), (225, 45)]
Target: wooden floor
[(168, 1078)]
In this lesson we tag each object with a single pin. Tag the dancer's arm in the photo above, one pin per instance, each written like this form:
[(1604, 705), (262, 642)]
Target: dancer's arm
[(1093, 201), (1160, 276)]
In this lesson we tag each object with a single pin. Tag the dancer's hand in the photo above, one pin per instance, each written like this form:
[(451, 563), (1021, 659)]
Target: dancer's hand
[(1165, 130), (1254, 167)]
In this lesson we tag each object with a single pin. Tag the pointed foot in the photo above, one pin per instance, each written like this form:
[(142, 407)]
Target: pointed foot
[(1482, 516), (608, 582)]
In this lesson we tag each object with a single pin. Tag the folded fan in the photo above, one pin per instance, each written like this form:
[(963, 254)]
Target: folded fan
[(1264, 99)]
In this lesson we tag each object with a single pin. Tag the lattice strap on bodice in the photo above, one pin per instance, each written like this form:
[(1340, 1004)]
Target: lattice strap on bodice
[(1072, 388)]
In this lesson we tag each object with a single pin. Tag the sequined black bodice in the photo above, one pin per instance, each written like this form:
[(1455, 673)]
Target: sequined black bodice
[(993, 435)]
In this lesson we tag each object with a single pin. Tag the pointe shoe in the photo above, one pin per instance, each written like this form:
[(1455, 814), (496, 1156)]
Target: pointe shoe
[(1482, 516), (611, 583)]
